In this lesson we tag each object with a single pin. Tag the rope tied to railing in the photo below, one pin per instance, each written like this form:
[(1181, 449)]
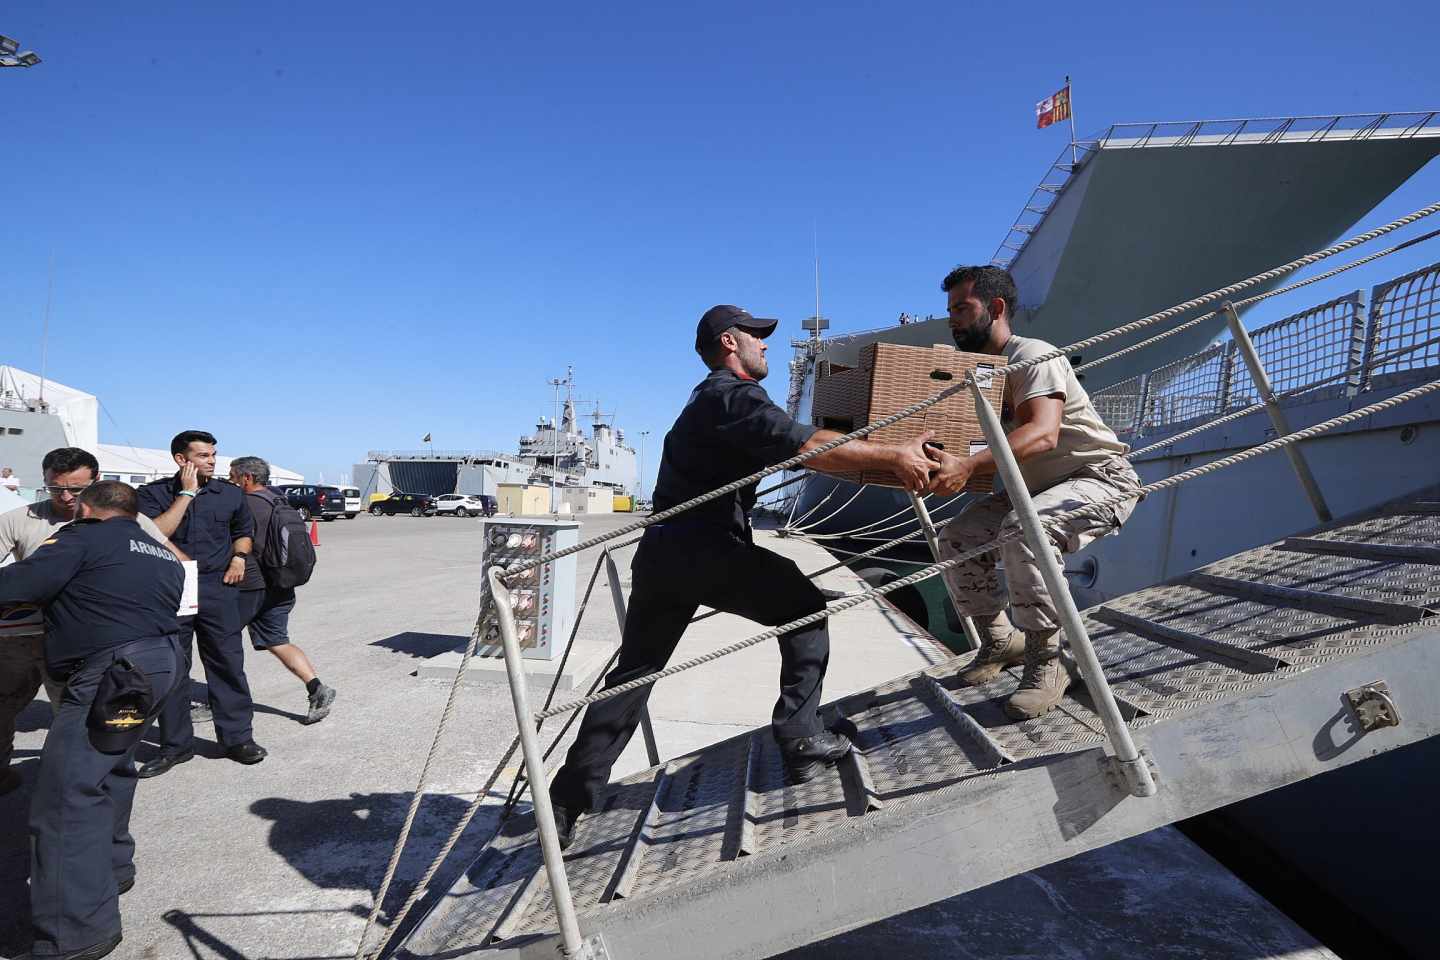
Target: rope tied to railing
[(1214, 296)]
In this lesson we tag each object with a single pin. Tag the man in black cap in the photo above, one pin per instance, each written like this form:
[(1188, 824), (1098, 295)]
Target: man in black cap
[(728, 429), (110, 593)]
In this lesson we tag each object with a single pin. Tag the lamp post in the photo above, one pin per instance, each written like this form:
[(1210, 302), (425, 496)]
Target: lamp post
[(640, 481), (12, 56)]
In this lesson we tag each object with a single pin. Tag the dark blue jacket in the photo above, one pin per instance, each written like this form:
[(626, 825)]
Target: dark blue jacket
[(103, 584), (206, 533)]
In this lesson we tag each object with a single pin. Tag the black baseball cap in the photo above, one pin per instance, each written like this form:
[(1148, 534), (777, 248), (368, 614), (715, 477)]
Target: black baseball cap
[(123, 705), (720, 318)]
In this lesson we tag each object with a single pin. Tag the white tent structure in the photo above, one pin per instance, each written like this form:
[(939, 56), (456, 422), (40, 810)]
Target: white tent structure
[(78, 411), (40, 414)]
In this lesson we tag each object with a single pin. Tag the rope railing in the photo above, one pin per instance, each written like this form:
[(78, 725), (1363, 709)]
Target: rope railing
[(913, 578), (850, 602), (941, 566), (1215, 296)]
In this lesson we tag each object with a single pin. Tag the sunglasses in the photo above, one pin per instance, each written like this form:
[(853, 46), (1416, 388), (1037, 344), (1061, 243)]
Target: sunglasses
[(56, 491)]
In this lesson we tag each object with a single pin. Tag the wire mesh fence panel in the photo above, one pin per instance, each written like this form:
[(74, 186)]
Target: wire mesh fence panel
[(1302, 349), (1404, 312), (1119, 404), (1188, 389)]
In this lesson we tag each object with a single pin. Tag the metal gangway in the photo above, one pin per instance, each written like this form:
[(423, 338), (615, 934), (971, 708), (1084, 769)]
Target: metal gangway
[(1254, 672)]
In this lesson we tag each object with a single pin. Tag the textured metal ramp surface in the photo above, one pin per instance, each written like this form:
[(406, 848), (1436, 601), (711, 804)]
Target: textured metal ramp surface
[(1232, 679)]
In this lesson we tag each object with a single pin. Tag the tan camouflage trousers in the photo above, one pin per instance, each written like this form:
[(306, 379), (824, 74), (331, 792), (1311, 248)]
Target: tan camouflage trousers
[(975, 584), (22, 671)]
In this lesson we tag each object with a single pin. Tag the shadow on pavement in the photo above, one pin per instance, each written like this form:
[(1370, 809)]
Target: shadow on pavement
[(345, 843), (423, 646), (203, 942)]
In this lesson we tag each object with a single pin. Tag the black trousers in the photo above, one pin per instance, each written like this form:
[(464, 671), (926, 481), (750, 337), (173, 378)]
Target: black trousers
[(216, 631), (673, 574), (80, 843)]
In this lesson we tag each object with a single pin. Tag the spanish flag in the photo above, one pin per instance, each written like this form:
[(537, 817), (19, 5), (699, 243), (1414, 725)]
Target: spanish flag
[(1053, 108)]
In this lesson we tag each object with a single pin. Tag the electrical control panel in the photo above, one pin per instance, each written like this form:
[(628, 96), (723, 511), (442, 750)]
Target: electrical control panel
[(543, 597)]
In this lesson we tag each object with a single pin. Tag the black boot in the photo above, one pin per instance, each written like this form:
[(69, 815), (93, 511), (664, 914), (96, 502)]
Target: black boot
[(565, 824), (807, 756)]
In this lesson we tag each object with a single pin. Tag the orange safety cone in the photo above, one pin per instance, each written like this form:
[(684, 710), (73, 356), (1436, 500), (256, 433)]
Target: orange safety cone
[(314, 533)]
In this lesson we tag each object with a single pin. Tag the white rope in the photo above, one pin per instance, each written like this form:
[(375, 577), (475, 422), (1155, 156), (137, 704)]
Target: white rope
[(859, 489), (823, 500), (1092, 509), (870, 527)]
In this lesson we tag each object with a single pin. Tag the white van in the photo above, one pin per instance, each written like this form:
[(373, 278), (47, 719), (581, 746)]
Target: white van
[(352, 501)]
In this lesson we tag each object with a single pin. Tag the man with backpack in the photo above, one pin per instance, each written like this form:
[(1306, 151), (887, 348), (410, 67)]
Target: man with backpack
[(282, 560)]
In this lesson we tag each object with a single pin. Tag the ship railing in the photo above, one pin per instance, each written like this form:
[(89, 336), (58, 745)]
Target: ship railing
[(1127, 759), (382, 456), (1341, 344), (1218, 133)]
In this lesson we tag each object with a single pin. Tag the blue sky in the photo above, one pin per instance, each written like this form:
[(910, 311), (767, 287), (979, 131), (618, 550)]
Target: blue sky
[(318, 229)]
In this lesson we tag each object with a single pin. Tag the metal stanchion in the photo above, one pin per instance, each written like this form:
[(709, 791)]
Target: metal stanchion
[(1137, 774), (571, 942), (647, 729), (933, 538), (1261, 379)]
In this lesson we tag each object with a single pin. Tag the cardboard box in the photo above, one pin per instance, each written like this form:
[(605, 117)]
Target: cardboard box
[(892, 377)]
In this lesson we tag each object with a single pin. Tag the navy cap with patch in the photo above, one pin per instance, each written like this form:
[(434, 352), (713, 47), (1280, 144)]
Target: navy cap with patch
[(123, 704), (722, 317)]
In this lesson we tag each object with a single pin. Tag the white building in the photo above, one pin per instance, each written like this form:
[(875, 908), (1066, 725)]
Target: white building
[(37, 416)]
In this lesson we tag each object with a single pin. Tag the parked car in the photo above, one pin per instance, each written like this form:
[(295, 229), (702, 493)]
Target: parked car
[(415, 504), (352, 502), (464, 505), (313, 500)]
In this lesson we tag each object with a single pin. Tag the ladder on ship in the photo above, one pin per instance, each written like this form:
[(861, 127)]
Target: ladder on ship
[(1260, 670), (1263, 669)]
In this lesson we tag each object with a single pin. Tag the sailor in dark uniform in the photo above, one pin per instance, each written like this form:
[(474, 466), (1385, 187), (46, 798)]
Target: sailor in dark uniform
[(110, 594), (728, 429)]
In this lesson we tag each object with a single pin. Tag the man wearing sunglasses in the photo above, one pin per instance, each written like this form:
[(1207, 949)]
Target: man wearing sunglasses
[(68, 472)]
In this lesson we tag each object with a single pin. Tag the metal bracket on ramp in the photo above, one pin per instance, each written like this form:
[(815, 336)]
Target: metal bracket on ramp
[(592, 947), (1372, 706)]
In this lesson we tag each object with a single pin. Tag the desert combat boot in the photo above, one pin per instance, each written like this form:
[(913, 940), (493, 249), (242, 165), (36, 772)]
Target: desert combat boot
[(1045, 680), (1001, 646)]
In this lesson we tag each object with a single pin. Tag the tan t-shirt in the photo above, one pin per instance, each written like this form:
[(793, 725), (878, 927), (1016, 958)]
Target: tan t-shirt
[(22, 531), (1084, 437)]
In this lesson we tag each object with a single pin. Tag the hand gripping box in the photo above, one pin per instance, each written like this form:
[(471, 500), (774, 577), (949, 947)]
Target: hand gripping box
[(890, 378)]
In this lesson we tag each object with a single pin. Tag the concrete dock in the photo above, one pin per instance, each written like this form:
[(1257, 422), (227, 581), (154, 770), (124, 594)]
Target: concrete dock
[(281, 860)]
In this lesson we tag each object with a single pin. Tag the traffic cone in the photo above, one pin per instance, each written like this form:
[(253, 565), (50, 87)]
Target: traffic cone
[(314, 533)]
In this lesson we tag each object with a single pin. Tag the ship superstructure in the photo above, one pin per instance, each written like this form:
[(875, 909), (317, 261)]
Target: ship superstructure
[(557, 451)]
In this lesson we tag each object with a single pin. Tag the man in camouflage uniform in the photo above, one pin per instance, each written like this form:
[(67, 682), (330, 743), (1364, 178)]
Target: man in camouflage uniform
[(1069, 459)]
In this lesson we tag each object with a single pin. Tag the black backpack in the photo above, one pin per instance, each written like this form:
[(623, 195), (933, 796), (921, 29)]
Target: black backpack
[(288, 559)]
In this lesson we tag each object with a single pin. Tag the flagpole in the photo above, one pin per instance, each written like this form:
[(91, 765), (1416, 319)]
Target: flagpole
[(1070, 104)]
